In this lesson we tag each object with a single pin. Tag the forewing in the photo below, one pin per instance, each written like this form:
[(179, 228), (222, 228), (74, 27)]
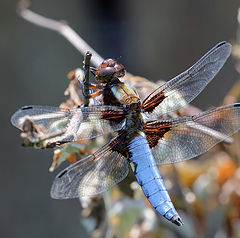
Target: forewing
[(70, 124), (182, 89), (93, 174), (187, 137)]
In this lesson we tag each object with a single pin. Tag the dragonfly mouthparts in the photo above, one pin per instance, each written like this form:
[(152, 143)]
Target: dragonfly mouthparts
[(177, 220)]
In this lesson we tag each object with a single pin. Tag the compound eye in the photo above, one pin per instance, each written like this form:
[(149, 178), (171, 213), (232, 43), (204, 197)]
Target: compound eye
[(120, 70), (108, 63), (105, 75), (108, 71)]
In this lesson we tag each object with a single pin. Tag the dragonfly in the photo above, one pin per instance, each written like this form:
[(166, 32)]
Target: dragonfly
[(143, 136)]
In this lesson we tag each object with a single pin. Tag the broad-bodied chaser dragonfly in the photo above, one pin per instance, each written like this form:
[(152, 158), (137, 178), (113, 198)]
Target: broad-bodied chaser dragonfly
[(141, 138)]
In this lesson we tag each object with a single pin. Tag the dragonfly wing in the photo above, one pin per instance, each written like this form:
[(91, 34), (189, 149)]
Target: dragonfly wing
[(93, 174), (183, 138), (67, 125), (182, 89)]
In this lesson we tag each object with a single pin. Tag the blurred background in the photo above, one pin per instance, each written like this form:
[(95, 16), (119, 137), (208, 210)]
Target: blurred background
[(156, 39)]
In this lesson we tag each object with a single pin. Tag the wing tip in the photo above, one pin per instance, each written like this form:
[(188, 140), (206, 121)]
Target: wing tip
[(225, 44), (237, 104), (60, 191), (26, 108), (15, 117), (61, 187)]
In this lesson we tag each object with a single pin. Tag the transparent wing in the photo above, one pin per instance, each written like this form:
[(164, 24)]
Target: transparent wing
[(93, 174), (187, 137), (70, 124), (182, 89)]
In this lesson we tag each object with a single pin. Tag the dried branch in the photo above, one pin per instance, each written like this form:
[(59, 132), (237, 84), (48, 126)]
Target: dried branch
[(61, 27), (87, 60)]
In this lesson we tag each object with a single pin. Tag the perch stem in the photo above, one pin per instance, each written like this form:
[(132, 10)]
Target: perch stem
[(86, 66)]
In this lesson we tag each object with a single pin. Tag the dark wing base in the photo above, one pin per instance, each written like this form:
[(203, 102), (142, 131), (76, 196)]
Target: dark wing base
[(184, 138)]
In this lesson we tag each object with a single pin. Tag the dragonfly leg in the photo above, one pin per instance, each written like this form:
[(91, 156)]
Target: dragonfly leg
[(85, 83), (93, 95), (93, 71)]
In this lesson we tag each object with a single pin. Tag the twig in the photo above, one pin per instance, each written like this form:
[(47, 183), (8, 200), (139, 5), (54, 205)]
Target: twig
[(86, 66), (62, 28)]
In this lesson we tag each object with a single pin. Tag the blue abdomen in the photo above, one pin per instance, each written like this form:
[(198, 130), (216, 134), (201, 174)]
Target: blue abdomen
[(150, 180)]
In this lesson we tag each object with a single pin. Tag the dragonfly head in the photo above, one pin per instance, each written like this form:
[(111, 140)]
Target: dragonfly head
[(109, 69)]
